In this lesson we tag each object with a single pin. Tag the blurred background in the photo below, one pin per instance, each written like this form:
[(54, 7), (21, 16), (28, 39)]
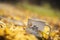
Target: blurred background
[(37, 6)]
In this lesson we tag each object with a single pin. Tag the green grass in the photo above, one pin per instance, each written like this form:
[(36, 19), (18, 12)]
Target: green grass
[(41, 10)]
